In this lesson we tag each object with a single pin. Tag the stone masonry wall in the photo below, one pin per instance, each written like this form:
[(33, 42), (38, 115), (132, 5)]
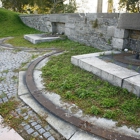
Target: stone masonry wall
[(39, 22), (93, 29)]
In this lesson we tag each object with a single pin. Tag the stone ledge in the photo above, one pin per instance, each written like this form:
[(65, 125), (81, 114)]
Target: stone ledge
[(129, 21), (114, 74), (36, 38)]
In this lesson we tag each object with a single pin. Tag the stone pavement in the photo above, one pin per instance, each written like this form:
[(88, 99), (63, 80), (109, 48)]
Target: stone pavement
[(33, 126), (38, 123)]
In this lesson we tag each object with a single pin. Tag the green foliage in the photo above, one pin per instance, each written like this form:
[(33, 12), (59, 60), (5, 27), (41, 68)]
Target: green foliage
[(108, 103), (130, 106), (18, 5), (89, 92), (11, 25), (8, 113), (109, 114), (69, 95), (130, 5), (2, 79), (95, 23), (95, 110), (44, 6)]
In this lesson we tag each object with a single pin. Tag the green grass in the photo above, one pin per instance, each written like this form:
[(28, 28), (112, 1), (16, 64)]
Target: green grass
[(11, 25), (11, 118), (93, 95)]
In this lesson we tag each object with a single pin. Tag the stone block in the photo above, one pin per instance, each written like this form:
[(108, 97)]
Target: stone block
[(132, 84), (121, 33), (37, 38), (129, 21), (51, 138), (110, 31), (26, 127), (67, 31), (38, 127), (80, 135), (107, 71), (70, 25), (47, 127), (118, 44), (29, 131), (35, 134), (34, 123), (46, 135), (41, 130)]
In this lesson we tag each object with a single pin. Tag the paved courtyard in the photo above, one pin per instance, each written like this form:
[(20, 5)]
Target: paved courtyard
[(11, 62), (38, 123)]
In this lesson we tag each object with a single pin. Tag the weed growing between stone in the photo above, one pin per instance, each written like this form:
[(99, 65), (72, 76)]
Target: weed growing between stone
[(7, 111), (93, 95)]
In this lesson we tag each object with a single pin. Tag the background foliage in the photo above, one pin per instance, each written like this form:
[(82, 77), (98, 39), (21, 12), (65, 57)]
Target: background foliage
[(40, 6), (130, 5)]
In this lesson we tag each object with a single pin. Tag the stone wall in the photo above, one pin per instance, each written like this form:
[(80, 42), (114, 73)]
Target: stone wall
[(93, 29), (39, 22)]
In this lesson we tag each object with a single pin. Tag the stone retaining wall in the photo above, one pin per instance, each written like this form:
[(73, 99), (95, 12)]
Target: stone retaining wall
[(93, 29)]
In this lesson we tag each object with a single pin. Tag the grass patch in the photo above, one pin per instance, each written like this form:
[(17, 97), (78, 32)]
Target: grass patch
[(5, 71), (2, 95), (7, 111), (2, 79), (93, 95), (11, 24)]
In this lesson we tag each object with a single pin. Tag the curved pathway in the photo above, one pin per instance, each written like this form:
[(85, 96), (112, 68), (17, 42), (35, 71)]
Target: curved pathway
[(12, 60)]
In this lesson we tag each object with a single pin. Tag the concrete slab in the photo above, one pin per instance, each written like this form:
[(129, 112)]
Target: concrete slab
[(67, 130), (80, 135), (37, 78), (129, 21), (108, 71), (101, 122), (37, 38), (62, 127), (42, 63), (7, 133), (75, 59), (132, 84), (22, 89)]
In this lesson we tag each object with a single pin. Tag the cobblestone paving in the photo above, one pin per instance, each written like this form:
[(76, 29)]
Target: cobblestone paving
[(33, 126)]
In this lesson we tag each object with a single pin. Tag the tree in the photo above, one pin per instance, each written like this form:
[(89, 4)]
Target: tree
[(60, 7), (15, 5), (132, 6), (44, 6)]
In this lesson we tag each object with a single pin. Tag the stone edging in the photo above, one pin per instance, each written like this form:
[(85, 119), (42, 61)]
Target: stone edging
[(47, 104)]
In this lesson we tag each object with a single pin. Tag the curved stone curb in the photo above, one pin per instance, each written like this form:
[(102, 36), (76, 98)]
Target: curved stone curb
[(47, 104)]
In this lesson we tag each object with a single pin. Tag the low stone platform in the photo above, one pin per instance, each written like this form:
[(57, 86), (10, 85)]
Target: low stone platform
[(116, 75), (38, 38)]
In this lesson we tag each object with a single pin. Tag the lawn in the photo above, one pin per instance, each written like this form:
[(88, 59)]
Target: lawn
[(93, 95)]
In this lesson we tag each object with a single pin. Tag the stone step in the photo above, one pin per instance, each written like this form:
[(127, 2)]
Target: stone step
[(114, 74)]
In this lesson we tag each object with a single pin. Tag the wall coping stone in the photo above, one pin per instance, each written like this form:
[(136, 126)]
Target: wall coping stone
[(129, 21)]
